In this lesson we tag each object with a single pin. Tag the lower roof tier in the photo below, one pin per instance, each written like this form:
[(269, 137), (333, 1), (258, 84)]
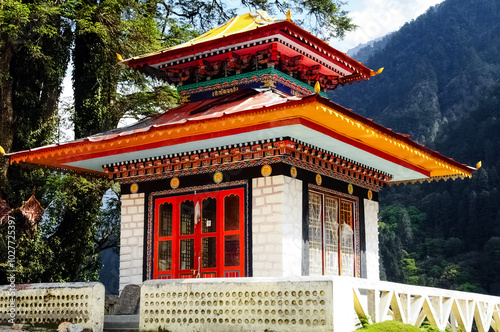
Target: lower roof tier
[(248, 116)]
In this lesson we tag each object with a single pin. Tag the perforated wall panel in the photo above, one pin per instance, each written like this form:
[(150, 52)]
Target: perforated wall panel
[(38, 304)]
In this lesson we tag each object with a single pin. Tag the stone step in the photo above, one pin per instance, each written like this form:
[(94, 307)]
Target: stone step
[(125, 323)]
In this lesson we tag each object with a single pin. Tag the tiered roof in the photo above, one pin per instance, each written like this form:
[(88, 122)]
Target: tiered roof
[(245, 47), (251, 118)]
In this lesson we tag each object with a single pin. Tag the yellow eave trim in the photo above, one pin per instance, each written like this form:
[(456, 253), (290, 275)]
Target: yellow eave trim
[(335, 120)]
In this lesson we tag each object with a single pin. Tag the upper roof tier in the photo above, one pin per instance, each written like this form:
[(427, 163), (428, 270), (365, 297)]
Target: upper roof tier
[(249, 43)]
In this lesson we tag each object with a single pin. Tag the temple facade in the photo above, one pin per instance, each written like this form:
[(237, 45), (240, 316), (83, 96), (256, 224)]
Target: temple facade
[(257, 172)]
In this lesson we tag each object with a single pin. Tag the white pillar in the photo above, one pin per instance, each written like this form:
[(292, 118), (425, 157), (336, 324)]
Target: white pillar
[(371, 238), (132, 240), (276, 226)]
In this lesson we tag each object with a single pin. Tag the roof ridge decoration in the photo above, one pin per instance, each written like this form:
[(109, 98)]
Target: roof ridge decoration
[(250, 20)]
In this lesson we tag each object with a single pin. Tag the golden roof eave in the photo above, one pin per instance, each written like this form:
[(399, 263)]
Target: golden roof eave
[(314, 111)]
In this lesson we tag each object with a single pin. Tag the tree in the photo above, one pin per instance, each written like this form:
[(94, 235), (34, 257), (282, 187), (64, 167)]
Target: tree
[(132, 27), (65, 244), (34, 53), (36, 40), (324, 18)]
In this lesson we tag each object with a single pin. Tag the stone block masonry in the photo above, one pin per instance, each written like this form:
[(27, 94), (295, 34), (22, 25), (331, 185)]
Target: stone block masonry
[(131, 239), (276, 226)]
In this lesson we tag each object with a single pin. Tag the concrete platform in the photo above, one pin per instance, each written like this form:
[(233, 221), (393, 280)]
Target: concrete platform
[(125, 323)]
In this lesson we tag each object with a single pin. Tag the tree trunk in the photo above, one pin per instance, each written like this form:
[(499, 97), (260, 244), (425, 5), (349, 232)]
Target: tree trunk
[(6, 108)]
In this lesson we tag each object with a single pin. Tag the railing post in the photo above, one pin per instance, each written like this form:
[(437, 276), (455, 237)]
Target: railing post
[(344, 317), (373, 304)]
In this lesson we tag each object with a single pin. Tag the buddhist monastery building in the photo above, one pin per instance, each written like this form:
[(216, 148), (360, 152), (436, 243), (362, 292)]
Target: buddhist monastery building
[(257, 172)]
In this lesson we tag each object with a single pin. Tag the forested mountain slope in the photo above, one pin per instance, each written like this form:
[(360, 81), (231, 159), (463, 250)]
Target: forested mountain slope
[(433, 68), (441, 85)]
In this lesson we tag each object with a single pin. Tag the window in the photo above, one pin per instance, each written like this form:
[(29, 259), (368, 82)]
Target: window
[(331, 235)]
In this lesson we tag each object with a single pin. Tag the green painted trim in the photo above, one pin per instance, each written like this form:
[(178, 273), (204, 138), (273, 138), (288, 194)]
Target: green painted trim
[(229, 79)]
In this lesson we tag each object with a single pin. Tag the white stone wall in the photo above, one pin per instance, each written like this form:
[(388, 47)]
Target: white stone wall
[(40, 304), (131, 239), (323, 303), (246, 304), (277, 226), (371, 236)]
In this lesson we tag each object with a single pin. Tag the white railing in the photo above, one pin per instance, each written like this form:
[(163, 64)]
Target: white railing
[(306, 304), (257, 304), (381, 301)]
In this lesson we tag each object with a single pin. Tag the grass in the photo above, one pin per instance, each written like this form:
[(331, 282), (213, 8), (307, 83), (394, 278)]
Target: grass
[(393, 326)]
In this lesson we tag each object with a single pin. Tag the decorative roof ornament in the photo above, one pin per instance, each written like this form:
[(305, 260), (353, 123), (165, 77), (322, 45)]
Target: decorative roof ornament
[(379, 71), (289, 15), (33, 211), (4, 212), (317, 87)]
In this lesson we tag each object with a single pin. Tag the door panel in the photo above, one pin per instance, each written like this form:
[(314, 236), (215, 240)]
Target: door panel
[(200, 235)]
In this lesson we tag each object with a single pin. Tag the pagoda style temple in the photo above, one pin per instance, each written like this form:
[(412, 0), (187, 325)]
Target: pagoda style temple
[(257, 172)]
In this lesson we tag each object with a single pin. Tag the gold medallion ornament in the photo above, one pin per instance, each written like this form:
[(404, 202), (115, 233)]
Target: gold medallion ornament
[(174, 183), (293, 172), (266, 170), (370, 195), (319, 179), (350, 189), (218, 177), (134, 188)]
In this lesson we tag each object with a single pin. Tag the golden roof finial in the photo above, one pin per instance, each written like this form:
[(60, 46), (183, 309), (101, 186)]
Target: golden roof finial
[(317, 87), (479, 165), (2, 151), (119, 57), (288, 15), (372, 73)]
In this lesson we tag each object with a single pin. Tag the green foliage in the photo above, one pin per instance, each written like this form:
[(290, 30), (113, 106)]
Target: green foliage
[(391, 326), (33, 255), (431, 89), (394, 326), (74, 210), (36, 40), (64, 246), (104, 29), (13, 17), (23, 23), (410, 271)]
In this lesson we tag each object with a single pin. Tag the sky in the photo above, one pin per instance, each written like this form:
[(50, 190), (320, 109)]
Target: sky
[(376, 18)]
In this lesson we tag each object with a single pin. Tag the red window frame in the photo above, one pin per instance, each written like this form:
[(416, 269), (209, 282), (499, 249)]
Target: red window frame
[(220, 235)]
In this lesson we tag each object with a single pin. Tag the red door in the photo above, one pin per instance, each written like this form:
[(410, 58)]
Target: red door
[(200, 235)]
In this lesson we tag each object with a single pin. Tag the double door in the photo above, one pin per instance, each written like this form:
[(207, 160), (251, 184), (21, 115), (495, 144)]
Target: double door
[(200, 235)]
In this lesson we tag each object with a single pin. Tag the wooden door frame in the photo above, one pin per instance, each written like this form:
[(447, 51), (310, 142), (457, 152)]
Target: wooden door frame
[(221, 191)]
